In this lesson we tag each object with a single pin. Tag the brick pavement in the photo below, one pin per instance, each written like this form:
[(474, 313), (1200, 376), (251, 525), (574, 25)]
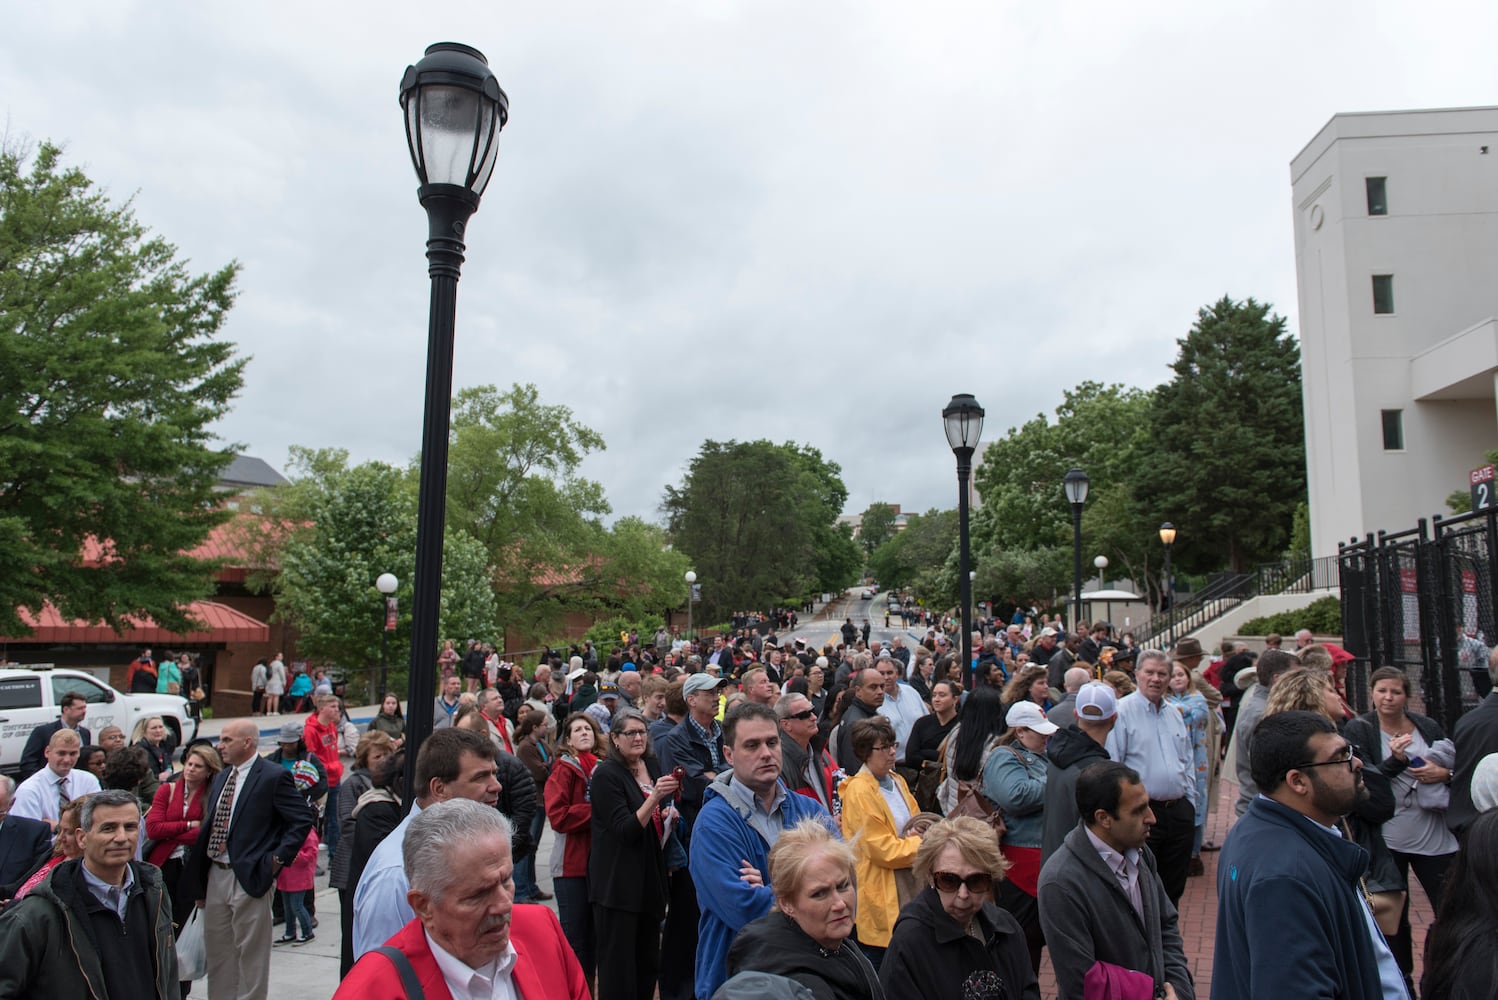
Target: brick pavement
[(1198, 910)]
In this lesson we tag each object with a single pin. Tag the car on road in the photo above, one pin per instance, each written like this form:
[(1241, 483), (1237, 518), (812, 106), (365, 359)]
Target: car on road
[(29, 697), (868, 595)]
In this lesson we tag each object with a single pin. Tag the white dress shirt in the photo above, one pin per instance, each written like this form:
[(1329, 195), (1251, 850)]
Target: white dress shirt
[(380, 907), (38, 796), (1153, 740), (492, 982)]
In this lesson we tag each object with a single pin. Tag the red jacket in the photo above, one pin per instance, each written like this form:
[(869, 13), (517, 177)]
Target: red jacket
[(165, 823), (298, 876), (571, 813), (322, 741), (545, 968)]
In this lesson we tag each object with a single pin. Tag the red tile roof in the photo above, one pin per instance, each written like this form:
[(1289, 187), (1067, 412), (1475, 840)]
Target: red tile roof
[(221, 623)]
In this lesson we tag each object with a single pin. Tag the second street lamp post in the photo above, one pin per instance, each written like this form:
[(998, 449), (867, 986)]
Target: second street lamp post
[(454, 109), (691, 579), (386, 585), (963, 419), (1076, 483), (1168, 538)]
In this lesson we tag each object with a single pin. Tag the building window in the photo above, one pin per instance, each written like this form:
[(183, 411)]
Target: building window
[(1393, 429), (1378, 195), (1383, 294)]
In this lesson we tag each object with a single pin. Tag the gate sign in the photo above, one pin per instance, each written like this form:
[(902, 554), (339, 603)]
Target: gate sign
[(1482, 484)]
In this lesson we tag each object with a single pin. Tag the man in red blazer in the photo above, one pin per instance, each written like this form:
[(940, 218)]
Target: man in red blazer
[(457, 858)]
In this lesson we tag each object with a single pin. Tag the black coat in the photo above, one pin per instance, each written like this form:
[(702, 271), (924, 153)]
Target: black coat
[(931, 957), (775, 944), (271, 820), (24, 845), (517, 800), (627, 867), (1476, 736)]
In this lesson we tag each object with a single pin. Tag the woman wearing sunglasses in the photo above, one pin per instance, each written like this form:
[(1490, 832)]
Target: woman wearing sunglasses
[(951, 940)]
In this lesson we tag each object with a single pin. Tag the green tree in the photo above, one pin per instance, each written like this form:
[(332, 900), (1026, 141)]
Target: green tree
[(926, 542), (327, 535), (877, 526), (1025, 576), (112, 377), (513, 485), (1226, 461), (758, 522)]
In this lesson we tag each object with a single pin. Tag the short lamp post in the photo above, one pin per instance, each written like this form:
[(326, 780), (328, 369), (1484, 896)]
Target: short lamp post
[(963, 419), (1101, 562), (386, 585), (1075, 483), (691, 579), (454, 109), (1168, 538)]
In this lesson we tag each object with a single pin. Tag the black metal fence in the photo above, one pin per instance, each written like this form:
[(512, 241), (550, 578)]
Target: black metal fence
[(1422, 600)]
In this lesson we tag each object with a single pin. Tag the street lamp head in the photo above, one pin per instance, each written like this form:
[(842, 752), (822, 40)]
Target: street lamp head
[(387, 583), (1076, 482), (1168, 533), (1101, 562), (963, 418), (454, 109), (691, 577)]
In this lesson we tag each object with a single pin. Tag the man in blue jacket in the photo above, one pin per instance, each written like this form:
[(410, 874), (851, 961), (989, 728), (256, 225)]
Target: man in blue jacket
[(1292, 920), (744, 812)]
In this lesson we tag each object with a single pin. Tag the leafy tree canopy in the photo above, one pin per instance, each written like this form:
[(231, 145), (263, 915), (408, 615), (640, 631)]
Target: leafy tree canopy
[(876, 527), (112, 375), (758, 521), (328, 535), (924, 545), (1226, 461)]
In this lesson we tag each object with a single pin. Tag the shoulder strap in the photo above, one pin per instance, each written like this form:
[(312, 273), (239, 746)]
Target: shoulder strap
[(402, 964)]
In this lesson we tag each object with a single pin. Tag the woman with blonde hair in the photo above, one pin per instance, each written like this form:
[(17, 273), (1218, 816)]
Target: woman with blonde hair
[(806, 936), (951, 940)]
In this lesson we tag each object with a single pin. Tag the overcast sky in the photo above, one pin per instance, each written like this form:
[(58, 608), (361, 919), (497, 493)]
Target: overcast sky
[(800, 221)]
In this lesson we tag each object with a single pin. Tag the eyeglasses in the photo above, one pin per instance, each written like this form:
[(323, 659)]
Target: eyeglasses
[(1344, 758), (632, 734), (882, 746), (977, 883), (810, 713)]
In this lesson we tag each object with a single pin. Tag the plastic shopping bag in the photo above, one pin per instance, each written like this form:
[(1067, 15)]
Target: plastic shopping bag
[(192, 952)]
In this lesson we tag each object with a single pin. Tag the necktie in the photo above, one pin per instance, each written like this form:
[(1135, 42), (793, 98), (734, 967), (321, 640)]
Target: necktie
[(218, 840), (63, 798), (1129, 874)]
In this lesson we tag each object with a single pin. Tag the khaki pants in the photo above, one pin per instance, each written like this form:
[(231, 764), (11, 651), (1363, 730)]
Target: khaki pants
[(236, 930)]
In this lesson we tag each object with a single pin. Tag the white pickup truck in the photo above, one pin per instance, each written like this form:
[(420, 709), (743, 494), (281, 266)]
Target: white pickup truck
[(29, 697)]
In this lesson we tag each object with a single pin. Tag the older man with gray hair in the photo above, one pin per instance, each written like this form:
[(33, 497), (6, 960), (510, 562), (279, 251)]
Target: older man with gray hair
[(468, 932)]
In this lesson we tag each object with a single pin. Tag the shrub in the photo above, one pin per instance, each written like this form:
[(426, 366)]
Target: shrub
[(1323, 617)]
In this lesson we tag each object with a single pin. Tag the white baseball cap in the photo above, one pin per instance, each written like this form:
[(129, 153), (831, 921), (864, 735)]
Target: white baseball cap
[(1096, 702), (1031, 716)]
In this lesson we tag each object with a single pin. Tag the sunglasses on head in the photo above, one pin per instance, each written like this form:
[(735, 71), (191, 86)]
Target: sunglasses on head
[(978, 883)]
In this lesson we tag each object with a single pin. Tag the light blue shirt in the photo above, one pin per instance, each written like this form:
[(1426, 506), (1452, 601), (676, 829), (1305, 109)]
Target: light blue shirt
[(1154, 741), (116, 897), (768, 823), (380, 907)]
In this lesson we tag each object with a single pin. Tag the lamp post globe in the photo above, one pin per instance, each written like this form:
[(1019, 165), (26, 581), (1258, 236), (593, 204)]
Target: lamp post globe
[(1075, 482), (453, 110), (1168, 538), (386, 584), (1101, 562), (691, 578), (962, 419)]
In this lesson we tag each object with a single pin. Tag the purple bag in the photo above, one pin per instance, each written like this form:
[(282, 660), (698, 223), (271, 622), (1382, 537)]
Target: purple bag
[(1113, 982)]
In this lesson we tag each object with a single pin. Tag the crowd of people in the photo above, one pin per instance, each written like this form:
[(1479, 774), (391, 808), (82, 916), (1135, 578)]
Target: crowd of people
[(752, 817)]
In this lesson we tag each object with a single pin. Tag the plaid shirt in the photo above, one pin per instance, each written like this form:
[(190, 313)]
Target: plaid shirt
[(714, 740)]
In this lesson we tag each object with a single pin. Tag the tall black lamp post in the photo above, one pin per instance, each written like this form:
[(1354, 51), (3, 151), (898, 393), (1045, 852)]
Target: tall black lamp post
[(1076, 483), (1168, 538), (454, 110), (386, 585), (963, 418)]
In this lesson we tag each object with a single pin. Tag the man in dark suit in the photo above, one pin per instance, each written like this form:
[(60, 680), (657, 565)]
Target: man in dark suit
[(1476, 736), (24, 843), (256, 823), (73, 708)]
